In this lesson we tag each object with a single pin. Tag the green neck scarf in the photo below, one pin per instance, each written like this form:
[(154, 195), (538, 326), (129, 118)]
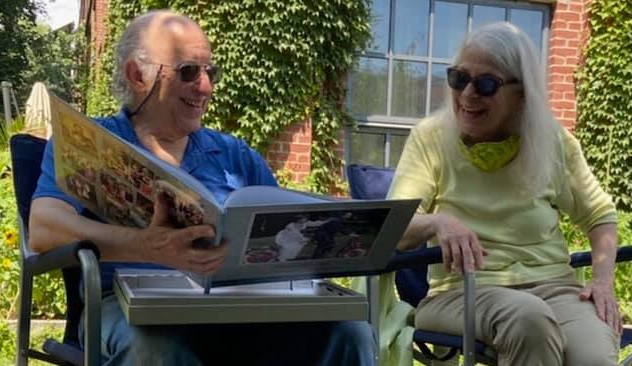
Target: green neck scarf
[(491, 156)]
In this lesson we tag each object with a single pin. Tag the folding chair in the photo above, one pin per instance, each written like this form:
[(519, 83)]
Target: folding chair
[(368, 182), (75, 259)]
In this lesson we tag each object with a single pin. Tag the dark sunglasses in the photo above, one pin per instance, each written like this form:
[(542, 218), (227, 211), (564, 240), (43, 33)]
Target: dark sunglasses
[(485, 85), (191, 72)]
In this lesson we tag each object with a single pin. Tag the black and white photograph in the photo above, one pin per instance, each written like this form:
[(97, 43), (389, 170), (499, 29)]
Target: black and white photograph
[(280, 237)]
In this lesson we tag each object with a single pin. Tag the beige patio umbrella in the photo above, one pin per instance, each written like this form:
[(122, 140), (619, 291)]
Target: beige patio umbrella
[(37, 117)]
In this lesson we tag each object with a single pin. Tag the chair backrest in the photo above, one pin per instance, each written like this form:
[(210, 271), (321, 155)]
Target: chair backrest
[(26, 159), (27, 152), (369, 182)]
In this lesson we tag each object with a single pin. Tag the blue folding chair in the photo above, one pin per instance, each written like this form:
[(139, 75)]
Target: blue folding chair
[(368, 182), (75, 260)]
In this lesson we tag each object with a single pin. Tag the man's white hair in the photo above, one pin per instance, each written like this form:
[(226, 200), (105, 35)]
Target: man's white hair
[(130, 46)]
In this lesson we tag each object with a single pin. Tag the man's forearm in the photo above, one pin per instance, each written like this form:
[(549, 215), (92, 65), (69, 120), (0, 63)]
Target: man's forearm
[(53, 223), (603, 241)]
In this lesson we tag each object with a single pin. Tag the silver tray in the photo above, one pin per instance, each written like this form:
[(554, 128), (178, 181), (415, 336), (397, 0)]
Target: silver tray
[(170, 297)]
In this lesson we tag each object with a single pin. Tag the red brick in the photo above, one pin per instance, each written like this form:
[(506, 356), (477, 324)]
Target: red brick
[(568, 16), (554, 59), (555, 95), (563, 104), (303, 139), (564, 52), (557, 77), (574, 26), (558, 42), (562, 69), (566, 34)]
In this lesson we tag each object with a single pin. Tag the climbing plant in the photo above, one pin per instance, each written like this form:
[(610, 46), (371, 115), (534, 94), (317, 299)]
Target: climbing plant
[(283, 61), (604, 98)]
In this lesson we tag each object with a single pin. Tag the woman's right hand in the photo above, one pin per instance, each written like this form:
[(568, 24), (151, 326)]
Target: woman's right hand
[(461, 250)]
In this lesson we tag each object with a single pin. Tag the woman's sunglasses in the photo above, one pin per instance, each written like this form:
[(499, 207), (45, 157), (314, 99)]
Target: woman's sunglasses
[(191, 72), (485, 85)]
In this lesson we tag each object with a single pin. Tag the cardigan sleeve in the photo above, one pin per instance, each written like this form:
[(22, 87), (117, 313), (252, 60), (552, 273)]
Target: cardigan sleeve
[(415, 176), (582, 196)]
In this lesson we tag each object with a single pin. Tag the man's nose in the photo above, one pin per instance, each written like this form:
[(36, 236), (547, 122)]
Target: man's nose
[(204, 83)]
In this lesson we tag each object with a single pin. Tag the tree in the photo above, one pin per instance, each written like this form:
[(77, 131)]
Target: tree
[(17, 20), (31, 52), (57, 58)]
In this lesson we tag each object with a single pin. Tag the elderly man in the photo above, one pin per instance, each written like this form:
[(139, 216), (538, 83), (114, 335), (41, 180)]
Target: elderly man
[(164, 78)]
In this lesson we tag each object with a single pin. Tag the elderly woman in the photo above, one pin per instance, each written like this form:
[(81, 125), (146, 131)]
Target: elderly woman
[(495, 171)]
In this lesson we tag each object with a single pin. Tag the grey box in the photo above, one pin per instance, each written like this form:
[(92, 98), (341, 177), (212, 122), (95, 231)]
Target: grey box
[(170, 297)]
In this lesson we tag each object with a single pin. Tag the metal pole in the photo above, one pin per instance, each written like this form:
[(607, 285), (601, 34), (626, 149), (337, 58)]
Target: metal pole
[(470, 320), (15, 103), (6, 101)]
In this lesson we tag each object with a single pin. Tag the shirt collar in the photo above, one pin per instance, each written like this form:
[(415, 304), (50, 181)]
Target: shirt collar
[(197, 142), (197, 150)]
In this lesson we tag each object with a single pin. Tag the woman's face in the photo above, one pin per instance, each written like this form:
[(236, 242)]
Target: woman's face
[(485, 118)]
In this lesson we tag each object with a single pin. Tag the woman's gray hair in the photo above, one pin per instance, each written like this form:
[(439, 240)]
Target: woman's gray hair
[(513, 52), (130, 46)]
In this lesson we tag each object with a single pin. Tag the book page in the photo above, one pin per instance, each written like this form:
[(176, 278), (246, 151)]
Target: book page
[(118, 181), (270, 195)]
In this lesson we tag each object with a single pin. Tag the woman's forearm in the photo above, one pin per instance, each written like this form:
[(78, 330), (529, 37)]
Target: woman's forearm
[(421, 228), (603, 241)]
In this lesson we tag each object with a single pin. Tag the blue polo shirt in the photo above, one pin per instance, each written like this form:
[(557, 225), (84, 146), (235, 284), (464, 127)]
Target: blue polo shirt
[(221, 162)]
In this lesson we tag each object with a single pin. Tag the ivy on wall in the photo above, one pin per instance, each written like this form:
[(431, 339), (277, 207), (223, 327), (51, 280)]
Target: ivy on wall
[(283, 61), (604, 98)]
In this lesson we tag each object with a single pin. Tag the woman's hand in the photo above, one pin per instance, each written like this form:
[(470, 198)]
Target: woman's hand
[(460, 247), (601, 294), (603, 241)]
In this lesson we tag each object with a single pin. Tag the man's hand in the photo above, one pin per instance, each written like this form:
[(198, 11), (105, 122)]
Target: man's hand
[(460, 247), (172, 247), (601, 294)]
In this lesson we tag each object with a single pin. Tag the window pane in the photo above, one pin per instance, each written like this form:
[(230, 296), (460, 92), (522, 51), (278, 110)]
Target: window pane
[(409, 89), (380, 24), (487, 14), (411, 27), (530, 21), (397, 146), (438, 86), (367, 148), (367, 87), (450, 28)]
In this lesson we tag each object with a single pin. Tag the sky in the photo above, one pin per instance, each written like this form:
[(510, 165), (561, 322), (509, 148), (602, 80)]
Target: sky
[(61, 12)]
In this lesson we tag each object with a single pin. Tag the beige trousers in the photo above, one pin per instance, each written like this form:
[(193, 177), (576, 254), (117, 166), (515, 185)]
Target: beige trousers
[(540, 324)]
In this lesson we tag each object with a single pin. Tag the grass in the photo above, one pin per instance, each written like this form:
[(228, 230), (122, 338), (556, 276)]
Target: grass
[(38, 336)]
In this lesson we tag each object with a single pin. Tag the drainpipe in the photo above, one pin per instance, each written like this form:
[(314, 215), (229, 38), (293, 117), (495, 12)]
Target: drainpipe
[(6, 101)]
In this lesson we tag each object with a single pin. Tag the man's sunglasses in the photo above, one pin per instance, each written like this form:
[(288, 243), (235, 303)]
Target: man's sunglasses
[(191, 72), (485, 85)]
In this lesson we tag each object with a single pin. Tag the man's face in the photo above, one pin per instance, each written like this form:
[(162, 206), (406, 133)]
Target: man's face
[(178, 105)]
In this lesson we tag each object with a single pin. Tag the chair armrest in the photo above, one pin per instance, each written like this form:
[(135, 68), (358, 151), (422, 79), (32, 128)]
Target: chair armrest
[(92, 290), (57, 258), (584, 259), (408, 259), (425, 256)]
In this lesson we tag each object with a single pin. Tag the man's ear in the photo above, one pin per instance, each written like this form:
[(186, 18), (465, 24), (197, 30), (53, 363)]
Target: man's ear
[(134, 76)]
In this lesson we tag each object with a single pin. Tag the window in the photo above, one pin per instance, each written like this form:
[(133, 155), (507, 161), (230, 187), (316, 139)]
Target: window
[(400, 77)]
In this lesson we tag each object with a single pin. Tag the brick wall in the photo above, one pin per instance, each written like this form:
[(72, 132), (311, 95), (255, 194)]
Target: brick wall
[(98, 25), (569, 30), (291, 150)]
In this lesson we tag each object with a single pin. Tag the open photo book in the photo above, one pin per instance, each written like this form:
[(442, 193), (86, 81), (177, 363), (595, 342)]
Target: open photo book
[(272, 233)]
